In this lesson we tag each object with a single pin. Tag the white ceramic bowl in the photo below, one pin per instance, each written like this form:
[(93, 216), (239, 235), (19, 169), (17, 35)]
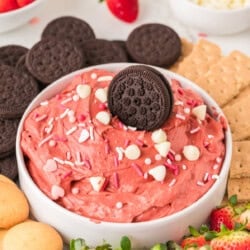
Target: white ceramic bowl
[(71, 225), (211, 21), (16, 18)]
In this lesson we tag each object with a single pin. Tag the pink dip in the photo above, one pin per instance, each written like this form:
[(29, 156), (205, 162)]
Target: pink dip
[(65, 146)]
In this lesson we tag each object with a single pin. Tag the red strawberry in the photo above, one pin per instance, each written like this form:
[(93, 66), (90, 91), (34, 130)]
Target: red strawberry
[(7, 5), (223, 215), (234, 240), (196, 239), (22, 3), (126, 10), (244, 218)]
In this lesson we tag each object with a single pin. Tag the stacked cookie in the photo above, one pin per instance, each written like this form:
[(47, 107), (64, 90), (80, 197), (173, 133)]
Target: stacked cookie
[(16, 230), (17, 90), (227, 80)]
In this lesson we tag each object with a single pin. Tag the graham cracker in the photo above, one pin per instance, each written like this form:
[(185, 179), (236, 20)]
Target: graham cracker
[(240, 165), (240, 187), (199, 61), (226, 78), (186, 49), (238, 115)]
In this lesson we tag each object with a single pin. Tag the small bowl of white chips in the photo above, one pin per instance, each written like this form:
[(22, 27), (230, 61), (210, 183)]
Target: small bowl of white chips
[(216, 17)]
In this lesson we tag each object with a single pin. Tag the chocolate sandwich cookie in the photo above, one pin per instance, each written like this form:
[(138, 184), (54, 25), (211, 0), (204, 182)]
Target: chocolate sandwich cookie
[(21, 67), (102, 51), (154, 44), (8, 129), (10, 54), (122, 44), (16, 92), (140, 98), (51, 59), (8, 167), (70, 28)]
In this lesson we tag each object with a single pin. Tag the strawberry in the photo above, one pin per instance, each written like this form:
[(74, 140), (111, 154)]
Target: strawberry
[(196, 238), (22, 3), (8, 5), (244, 218), (231, 240), (223, 215), (125, 10)]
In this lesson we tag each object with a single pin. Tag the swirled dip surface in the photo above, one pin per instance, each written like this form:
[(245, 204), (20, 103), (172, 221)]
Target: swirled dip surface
[(90, 163)]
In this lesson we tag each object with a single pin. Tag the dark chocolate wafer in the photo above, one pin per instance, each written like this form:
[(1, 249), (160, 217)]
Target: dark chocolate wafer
[(8, 129), (154, 44), (140, 98), (71, 28), (10, 54), (16, 92), (8, 167), (50, 59), (102, 51)]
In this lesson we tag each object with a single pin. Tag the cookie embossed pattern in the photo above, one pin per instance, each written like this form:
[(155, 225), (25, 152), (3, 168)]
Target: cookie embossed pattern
[(145, 232)]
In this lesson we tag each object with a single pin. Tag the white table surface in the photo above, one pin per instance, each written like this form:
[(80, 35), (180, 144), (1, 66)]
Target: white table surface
[(107, 26)]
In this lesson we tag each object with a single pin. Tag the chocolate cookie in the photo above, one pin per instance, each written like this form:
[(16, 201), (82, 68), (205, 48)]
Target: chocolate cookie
[(16, 92), (102, 51), (140, 97), (8, 167), (10, 54), (154, 44), (51, 59), (8, 129), (70, 28), (122, 44)]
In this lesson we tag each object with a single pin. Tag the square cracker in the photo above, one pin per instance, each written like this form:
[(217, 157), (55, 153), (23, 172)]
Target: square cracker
[(227, 78), (238, 115), (186, 49), (199, 61), (240, 187), (240, 165)]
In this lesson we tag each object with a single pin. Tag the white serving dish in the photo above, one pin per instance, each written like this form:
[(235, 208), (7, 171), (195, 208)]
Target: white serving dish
[(211, 21), (142, 234)]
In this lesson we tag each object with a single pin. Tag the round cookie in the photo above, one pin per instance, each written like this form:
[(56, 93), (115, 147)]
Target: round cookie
[(10, 54), (2, 234), (16, 91), (70, 28), (102, 51), (8, 129), (32, 235), (140, 98), (50, 59), (5, 179), (14, 207), (8, 167), (154, 44)]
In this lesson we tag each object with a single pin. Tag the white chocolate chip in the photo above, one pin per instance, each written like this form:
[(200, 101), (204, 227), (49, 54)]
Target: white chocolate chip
[(119, 205), (50, 166), (200, 112), (191, 152), (103, 117), (147, 161), (102, 95), (158, 172), (83, 90), (132, 152), (57, 192), (159, 136), (97, 182), (163, 148), (84, 136)]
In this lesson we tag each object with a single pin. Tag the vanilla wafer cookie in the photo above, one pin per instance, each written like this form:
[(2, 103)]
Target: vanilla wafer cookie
[(199, 61), (240, 160), (227, 78), (186, 49), (240, 187), (238, 115)]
